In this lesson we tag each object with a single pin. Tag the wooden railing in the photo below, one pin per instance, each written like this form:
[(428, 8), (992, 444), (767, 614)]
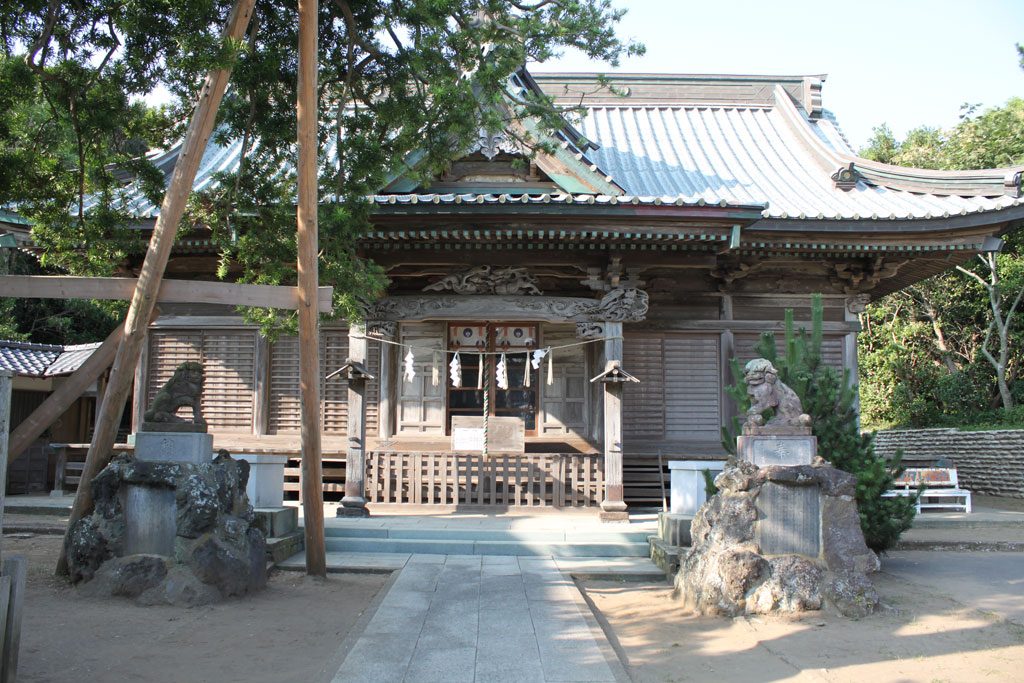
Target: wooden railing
[(529, 480)]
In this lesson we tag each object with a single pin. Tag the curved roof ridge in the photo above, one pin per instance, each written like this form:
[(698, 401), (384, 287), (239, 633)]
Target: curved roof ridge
[(986, 182)]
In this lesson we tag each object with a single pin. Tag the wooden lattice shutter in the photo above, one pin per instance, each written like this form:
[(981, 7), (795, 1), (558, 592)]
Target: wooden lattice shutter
[(373, 351), (285, 401), (333, 392), (283, 413), (229, 363), (831, 348), (692, 387), (643, 404)]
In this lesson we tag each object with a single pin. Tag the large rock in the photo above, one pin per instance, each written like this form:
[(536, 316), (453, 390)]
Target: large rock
[(727, 572), (217, 550)]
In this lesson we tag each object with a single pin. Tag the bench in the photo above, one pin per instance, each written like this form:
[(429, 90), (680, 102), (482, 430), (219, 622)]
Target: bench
[(940, 488), (71, 464)]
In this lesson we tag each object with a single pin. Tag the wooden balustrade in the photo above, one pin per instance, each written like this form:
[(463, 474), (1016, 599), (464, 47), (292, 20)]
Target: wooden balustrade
[(530, 480)]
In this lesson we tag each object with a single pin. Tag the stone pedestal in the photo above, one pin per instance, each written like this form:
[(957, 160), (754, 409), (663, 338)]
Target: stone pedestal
[(266, 480), (151, 511), (777, 449), (688, 486), (778, 539), (195, 448)]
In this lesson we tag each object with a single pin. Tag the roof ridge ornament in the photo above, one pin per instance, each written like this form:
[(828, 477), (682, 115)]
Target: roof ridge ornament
[(1012, 183), (845, 178)]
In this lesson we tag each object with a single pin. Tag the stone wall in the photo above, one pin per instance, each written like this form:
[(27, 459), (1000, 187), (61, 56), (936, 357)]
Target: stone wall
[(990, 462)]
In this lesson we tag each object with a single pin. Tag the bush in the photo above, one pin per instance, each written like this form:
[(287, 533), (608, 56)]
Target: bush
[(830, 398)]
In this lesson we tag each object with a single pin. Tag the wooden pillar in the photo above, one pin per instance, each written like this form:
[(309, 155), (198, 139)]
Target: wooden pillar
[(613, 507), (727, 351), (261, 387), (388, 388), (139, 387), (308, 281), (5, 427), (354, 502)]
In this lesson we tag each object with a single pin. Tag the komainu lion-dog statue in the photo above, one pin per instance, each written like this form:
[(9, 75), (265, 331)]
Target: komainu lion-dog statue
[(184, 388), (766, 392)]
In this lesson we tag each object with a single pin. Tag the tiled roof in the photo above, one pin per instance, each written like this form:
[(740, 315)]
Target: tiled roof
[(752, 154), (554, 198), (43, 360), (767, 147)]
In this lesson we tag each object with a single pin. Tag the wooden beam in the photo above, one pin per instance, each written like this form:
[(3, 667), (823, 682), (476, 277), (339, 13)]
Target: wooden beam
[(146, 289), (66, 394), (171, 291), (309, 277)]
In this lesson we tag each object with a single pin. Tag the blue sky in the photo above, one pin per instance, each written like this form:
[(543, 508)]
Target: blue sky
[(903, 62)]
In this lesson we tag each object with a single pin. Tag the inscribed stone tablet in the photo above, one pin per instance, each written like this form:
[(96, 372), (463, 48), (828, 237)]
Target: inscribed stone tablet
[(778, 450), (788, 520)]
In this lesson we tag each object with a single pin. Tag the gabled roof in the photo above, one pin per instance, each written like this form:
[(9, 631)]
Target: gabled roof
[(570, 164), (43, 360), (762, 139)]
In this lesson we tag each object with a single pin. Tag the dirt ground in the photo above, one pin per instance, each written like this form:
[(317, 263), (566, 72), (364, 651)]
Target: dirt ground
[(289, 632), (920, 635)]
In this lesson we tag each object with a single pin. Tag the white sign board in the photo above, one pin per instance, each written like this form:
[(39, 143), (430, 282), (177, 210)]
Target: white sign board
[(505, 435), (467, 439)]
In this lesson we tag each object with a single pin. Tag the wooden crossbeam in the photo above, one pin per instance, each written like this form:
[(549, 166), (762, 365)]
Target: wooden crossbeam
[(171, 291)]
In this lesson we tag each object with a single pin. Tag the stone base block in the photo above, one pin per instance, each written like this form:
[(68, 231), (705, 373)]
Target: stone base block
[(281, 548), (763, 450), (276, 521), (674, 529), (343, 511), (688, 485), (665, 556), (614, 516), (265, 487), (190, 447)]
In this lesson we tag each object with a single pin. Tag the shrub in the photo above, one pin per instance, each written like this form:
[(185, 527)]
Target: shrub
[(830, 398)]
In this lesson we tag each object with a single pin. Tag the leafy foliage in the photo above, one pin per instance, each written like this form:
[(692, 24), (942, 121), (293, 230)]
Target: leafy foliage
[(923, 350), (404, 86), (830, 398)]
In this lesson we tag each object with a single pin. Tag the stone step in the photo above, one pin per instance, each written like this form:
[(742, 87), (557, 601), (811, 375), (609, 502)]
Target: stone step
[(358, 530), (450, 546)]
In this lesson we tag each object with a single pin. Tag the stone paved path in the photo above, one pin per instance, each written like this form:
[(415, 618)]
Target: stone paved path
[(480, 619)]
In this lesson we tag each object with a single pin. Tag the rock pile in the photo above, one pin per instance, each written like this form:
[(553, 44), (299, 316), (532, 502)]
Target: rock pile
[(217, 550), (735, 565)]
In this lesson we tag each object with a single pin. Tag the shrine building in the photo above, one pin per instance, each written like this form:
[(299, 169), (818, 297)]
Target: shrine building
[(671, 225)]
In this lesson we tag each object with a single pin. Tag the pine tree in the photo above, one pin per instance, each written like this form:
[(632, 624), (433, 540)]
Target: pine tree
[(830, 398)]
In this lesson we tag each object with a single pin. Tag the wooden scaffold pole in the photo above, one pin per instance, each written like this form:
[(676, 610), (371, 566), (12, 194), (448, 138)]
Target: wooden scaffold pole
[(308, 281), (144, 299)]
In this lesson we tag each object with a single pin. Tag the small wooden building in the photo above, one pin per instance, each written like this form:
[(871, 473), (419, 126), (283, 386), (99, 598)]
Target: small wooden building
[(666, 231)]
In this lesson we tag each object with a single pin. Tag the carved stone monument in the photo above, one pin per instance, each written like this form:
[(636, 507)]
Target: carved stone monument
[(786, 438), (781, 534), (171, 524)]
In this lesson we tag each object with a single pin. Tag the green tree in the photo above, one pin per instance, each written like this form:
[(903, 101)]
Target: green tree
[(404, 87), (830, 398), (950, 350)]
